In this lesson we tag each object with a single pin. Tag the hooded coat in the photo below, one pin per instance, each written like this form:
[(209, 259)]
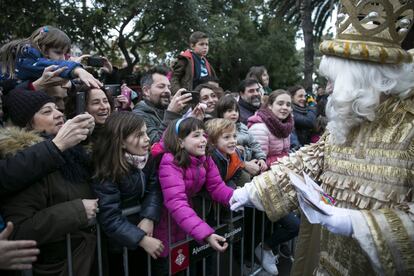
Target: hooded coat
[(179, 185), (47, 210)]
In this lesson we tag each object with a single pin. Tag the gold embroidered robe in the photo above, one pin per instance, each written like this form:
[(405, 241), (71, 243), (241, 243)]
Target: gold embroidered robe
[(373, 172)]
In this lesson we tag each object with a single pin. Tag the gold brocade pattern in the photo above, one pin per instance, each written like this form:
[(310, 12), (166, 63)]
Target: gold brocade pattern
[(380, 244), (279, 200), (343, 256), (371, 30), (374, 169)]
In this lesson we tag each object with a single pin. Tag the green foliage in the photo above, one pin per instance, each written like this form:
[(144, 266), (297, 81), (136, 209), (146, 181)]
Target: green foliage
[(250, 38), (242, 33), (18, 19)]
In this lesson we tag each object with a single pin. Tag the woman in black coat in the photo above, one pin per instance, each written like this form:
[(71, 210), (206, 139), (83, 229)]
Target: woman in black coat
[(123, 184), (59, 200), (304, 116)]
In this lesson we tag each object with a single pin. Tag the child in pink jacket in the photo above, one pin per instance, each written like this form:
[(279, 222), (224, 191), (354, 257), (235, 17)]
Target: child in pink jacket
[(184, 170)]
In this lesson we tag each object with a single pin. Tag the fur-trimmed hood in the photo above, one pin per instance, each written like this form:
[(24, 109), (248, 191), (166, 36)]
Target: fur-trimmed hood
[(77, 162), (13, 139)]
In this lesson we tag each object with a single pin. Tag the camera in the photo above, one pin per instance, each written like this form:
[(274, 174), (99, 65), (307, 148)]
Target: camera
[(95, 61)]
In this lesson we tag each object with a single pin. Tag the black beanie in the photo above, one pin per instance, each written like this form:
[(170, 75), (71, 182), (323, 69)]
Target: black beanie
[(21, 105)]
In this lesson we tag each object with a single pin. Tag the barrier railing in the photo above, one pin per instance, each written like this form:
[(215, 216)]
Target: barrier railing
[(186, 255)]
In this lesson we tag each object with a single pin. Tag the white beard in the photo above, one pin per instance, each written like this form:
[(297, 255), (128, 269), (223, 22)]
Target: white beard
[(357, 90)]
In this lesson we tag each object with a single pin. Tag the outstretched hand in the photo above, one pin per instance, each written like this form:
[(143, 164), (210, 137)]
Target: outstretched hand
[(239, 199), (16, 255), (336, 220), (50, 77)]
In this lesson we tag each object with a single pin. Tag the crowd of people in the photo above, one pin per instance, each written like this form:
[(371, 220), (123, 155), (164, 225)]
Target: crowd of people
[(76, 150), (185, 136)]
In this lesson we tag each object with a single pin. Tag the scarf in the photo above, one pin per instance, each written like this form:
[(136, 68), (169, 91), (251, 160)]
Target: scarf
[(299, 109), (138, 161), (280, 129), (248, 106)]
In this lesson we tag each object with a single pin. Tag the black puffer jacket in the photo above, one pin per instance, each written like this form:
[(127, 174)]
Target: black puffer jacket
[(134, 189), (305, 123)]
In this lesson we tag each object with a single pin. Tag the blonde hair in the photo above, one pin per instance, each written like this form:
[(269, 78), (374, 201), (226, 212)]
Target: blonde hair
[(42, 39), (216, 127)]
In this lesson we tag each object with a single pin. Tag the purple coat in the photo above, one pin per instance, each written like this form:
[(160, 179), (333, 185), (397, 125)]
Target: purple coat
[(178, 186)]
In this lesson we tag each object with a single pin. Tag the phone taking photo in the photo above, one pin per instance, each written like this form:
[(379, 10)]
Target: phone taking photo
[(195, 97), (95, 61), (80, 103), (113, 89)]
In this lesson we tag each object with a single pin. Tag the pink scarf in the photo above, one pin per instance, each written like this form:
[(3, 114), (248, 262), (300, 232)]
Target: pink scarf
[(278, 128), (138, 161)]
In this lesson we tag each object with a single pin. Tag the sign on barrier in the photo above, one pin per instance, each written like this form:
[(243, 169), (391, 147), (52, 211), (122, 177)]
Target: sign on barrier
[(191, 252)]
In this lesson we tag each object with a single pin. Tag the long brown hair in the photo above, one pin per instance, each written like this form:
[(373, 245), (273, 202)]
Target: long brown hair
[(70, 101), (275, 94), (256, 72), (107, 153), (176, 132), (43, 38)]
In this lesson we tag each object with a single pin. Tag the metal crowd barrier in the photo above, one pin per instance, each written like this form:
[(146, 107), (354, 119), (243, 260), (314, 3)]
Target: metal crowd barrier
[(187, 254)]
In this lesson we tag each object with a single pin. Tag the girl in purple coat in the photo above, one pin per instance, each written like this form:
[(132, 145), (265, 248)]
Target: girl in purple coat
[(184, 170)]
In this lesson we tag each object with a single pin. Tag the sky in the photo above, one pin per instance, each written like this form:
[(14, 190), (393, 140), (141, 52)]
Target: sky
[(300, 44)]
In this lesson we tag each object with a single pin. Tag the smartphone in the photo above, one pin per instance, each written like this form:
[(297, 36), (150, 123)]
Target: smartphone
[(80, 103), (95, 61), (126, 91), (113, 89), (195, 97)]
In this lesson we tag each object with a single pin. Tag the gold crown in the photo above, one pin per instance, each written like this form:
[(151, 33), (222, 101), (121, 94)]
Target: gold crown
[(372, 30)]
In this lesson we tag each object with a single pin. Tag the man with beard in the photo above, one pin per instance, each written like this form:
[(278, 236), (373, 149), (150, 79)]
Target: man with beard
[(250, 97), (365, 160), (158, 108)]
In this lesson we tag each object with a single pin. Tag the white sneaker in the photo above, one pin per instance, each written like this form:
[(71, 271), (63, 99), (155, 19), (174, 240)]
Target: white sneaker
[(267, 259)]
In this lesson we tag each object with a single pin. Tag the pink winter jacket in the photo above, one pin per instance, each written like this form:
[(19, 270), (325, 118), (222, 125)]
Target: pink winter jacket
[(273, 146), (178, 186)]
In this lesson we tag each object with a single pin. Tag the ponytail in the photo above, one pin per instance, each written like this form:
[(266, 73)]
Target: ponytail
[(42, 39), (9, 53)]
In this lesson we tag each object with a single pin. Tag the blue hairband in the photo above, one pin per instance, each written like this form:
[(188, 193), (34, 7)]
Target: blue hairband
[(45, 29), (177, 125)]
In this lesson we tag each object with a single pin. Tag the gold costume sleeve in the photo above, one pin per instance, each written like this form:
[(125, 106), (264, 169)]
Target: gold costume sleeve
[(273, 188), (388, 241)]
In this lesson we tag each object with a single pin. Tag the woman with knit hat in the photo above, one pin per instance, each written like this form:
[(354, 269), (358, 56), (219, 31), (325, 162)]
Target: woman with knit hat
[(58, 203)]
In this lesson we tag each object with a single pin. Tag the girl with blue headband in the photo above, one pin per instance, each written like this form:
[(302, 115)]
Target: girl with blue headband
[(183, 172)]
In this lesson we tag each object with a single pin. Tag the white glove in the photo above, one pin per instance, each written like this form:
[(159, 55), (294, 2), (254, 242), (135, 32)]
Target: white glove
[(239, 199), (338, 221)]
